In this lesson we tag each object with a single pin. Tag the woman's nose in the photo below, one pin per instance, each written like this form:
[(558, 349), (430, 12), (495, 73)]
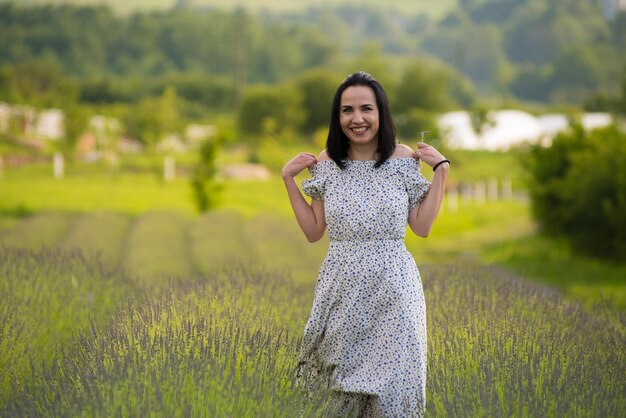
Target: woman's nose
[(357, 117)]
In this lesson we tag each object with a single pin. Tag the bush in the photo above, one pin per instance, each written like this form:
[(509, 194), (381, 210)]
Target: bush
[(578, 190), (262, 103), (409, 126), (204, 182)]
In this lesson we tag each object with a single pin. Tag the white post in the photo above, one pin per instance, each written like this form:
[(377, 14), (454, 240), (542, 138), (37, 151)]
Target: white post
[(169, 168), (466, 194), (492, 189), (452, 197), (480, 192), (507, 189), (59, 166)]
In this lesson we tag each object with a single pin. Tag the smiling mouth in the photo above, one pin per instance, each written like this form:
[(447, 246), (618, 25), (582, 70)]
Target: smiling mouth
[(359, 130)]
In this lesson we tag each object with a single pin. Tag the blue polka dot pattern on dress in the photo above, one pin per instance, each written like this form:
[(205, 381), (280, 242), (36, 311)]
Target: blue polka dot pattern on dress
[(367, 330)]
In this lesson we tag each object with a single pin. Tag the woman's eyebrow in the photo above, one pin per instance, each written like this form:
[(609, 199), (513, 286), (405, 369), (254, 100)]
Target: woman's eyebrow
[(346, 106)]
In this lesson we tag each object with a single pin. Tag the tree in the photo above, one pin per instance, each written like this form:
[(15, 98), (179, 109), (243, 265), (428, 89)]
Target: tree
[(371, 59), (542, 30), (474, 49), (582, 70), (530, 83), (152, 118), (281, 104), (431, 86), (38, 83), (426, 88), (76, 120), (578, 190), (317, 88), (618, 28), (204, 183), (622, 103)]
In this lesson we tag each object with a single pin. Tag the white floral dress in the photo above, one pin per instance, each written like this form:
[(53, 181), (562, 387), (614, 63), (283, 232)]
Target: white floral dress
[(367, 330)]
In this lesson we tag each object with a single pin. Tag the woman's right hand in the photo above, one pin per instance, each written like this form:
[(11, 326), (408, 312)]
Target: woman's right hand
[(298, 163)]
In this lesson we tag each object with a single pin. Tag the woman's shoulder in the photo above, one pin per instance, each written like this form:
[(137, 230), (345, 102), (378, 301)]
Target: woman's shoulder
[(403, 160), (323, 156), (322, 167), (403, 151)]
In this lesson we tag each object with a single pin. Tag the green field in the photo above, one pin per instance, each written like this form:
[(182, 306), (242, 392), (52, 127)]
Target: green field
[(117, 299)]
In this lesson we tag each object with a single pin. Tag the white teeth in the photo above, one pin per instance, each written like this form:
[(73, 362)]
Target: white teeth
[(359, 129)]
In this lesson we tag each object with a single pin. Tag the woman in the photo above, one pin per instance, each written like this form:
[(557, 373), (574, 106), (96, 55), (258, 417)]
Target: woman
[(366, 337)]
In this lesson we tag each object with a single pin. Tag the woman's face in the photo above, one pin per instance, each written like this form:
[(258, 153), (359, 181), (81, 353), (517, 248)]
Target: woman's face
[(358, 115)]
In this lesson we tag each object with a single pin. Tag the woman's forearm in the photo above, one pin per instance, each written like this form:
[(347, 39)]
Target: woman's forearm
[(422, 218), (310, 217)]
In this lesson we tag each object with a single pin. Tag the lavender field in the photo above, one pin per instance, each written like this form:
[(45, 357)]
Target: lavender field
[(103, 314)]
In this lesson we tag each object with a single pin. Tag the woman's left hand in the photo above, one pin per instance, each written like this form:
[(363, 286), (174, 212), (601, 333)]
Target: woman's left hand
[(428, 154)]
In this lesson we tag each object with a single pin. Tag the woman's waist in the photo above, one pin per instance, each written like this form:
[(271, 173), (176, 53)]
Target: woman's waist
[(391, 242)]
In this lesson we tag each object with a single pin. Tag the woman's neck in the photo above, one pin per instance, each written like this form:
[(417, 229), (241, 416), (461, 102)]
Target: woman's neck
[(363, 152)]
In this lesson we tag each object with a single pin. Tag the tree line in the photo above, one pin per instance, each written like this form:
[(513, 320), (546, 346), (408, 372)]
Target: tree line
[(90, 42), (563, 52), (275, 74)]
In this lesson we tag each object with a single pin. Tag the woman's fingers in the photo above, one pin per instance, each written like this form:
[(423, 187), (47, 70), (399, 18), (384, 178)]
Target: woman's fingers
[(428, 154), (306, 159), (298, 163)]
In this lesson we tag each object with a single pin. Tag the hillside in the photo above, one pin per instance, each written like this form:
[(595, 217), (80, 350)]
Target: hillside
[(413, 7)]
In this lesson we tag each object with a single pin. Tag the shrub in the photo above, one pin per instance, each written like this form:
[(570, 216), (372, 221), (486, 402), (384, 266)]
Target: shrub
[(578, 190), (262, 103), (204, 182)]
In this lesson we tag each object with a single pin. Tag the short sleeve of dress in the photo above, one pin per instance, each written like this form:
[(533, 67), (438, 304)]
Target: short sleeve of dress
[(316, 185), (417, 185)]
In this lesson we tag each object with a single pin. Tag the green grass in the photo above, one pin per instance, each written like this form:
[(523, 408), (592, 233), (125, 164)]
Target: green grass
[(99, 232), (45, 229), (552, 261), (157, 247), (475, 166), (134, 194), (461, 236), (128, 193)]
